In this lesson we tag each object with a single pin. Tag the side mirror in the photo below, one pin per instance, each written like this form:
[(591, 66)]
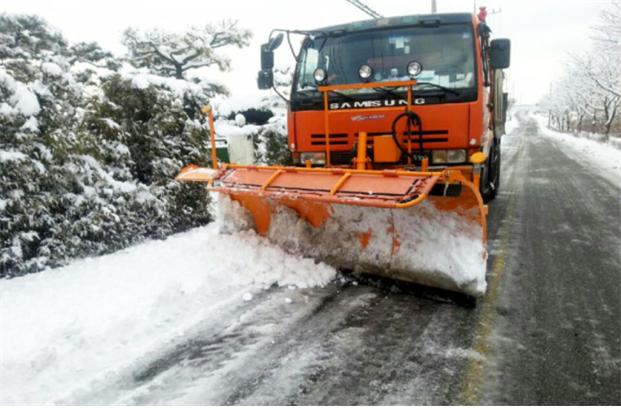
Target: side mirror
[(275, 42), (267, 52), (265, 79), (500, 53), (267, 58)]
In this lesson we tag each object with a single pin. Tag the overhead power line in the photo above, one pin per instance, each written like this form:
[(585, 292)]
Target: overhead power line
[(366, 9)]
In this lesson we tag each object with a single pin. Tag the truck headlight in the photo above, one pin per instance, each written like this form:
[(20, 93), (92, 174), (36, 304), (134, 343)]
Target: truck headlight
[(438, 156), (452, 156), (316, 158), (320, 75), (457, 156)]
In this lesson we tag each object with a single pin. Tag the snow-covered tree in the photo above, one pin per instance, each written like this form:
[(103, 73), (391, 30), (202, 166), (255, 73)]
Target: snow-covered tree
[(89, 151), (590, 90), (173, 54), (22, 36)]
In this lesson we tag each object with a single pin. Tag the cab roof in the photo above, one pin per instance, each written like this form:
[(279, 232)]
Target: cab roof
[(400, 21)]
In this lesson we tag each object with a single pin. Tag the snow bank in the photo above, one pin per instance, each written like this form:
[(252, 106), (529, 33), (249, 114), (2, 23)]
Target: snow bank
[(66, 328), (602, 156)]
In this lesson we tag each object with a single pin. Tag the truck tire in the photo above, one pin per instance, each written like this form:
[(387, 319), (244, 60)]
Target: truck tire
[(490, 183)]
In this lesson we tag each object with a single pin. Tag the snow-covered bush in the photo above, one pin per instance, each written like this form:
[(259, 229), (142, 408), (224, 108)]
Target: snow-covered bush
[(89, 148)]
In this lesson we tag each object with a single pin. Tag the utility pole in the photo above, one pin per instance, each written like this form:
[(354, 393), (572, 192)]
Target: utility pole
[(434, 7), (366, 9)]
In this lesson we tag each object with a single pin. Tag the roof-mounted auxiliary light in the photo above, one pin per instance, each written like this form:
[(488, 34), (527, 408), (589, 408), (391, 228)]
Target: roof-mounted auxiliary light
[(365, 72)]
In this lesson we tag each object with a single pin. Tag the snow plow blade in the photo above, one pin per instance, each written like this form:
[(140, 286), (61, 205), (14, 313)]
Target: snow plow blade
[(393, 223)]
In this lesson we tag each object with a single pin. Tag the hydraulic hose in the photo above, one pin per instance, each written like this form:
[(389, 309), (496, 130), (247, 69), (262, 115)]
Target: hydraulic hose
[(412, 119)]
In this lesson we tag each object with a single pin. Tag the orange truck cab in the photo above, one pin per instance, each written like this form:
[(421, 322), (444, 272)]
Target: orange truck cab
[(426, 91)]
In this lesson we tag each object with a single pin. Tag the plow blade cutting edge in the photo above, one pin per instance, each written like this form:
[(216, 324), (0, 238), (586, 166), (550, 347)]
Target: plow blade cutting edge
[(394, 223)]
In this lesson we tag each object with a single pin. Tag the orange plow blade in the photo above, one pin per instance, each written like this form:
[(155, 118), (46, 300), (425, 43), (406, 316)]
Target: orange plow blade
[(393, 223)]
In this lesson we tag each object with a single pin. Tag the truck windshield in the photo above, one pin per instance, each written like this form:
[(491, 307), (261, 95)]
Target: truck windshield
[(446, 54)]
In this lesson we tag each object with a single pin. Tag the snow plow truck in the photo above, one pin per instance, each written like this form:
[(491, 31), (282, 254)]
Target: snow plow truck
[(394, 128)]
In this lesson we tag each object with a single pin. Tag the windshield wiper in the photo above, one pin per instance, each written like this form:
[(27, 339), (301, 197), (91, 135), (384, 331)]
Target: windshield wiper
[(389, 92), (315, 90), (439, 87)]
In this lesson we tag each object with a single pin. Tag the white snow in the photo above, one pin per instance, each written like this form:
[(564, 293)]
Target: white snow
[(226, 129), (224, 105), (240, 120), (31, 125), (604, 157), (111, 123), (80, 67), (122, 186), (65, 329), (22, 99), (144, 196), (52, 69), (512, 123), (421, 244), (7, 156), (141, 80)]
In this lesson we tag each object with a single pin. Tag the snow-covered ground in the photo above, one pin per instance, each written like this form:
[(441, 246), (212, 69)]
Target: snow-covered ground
[(66, 328), (604, 157)]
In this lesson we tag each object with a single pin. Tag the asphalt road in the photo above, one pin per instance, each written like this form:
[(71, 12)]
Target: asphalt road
[(547, 332)]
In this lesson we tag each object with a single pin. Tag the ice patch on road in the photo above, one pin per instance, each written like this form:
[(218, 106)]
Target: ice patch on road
[(64, 328)]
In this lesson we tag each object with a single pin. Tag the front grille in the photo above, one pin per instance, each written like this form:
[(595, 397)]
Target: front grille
[(341, 157), (340, 139), (414, 136), (335, 139)]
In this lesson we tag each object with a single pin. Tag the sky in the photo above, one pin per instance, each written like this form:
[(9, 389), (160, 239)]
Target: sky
[(542, 32)]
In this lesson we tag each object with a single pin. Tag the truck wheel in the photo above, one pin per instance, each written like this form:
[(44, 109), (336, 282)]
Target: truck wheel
[(490, 183)]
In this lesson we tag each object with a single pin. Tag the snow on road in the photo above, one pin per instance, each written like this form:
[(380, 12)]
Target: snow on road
[(64, 328), (605, 158)]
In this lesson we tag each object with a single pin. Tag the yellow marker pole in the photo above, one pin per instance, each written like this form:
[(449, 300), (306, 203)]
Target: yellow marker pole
[(212, 136), (477, 160), (409, 136), (361, 157), (424, 165), (326, 120)]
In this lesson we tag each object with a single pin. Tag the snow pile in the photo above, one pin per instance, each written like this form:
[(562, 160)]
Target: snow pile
[(68, 328), (602, 156), (421, 244)]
